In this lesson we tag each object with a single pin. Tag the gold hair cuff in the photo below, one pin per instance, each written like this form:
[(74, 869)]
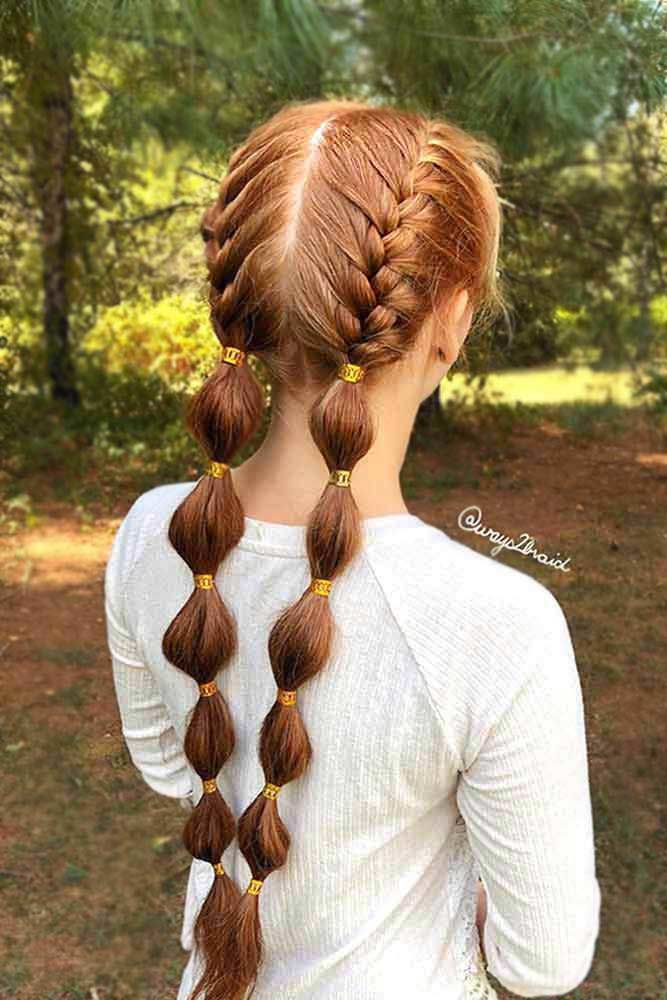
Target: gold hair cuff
[(321, 587), (210, 785), (218, 869), (351, 373), (255, 886), (270, 791), (204, 581), (216, 469), (340, 477), (233, 356), (208, 689), (286, 697)]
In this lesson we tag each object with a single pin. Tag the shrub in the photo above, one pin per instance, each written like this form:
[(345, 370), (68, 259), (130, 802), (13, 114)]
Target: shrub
[(171, 339), (653, 389)]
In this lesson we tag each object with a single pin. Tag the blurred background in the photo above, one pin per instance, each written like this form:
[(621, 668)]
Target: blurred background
[(116, 120)]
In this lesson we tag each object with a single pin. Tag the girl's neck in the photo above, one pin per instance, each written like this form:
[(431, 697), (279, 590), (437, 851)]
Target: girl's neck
[(283, 480)]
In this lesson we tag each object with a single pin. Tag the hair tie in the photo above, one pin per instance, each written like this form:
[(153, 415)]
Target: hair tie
[(216, 469), (351, 373), (340, 477), (270, 791), (255, 886), (218, 869), (233, 356), (210, 786), (286, 697), (204, 581), (208, 689), (321, 587)]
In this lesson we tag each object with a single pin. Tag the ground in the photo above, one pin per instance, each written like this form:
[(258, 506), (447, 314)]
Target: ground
[(92, 871)]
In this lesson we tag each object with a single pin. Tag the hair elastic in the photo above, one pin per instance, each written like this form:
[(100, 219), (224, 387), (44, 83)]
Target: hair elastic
[(204, 581), (321, 587), (216, 469), (340, 477), (351, 373), (255, 886), (218, 869), (210, 786), (286, 697), (270, 791), (208, 689), (233, 356)]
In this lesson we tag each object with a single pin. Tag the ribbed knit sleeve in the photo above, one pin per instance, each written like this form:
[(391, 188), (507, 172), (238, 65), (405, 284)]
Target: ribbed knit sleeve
[(500, 670), (148, 731), (525, 800)]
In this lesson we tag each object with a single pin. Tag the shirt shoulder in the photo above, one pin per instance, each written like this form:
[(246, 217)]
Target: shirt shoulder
[(147, 518), (474, 626)]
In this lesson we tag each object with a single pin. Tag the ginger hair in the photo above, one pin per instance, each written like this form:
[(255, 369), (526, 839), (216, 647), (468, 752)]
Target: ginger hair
[(338, 229)]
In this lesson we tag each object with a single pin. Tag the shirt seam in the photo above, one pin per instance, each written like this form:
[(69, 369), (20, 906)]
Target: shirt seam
[(261, 547), (425, 685)]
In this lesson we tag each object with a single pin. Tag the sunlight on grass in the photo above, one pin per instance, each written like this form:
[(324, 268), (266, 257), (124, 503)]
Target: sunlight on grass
[(551, 384)]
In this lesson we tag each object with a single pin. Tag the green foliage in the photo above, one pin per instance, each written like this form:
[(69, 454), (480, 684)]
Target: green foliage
[(135, 377), (659, 317), (536, 76), (16, 514), (653, 389), (170, 338), (478, 412), (124, 415)]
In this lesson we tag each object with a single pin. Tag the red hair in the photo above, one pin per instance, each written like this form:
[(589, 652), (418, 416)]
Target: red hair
[(337, 231)]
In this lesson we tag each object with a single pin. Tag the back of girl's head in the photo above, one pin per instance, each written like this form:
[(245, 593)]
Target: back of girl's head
[(338, 230), (340, 226)]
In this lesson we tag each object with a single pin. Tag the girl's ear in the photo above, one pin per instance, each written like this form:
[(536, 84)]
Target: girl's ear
[(453, 330)]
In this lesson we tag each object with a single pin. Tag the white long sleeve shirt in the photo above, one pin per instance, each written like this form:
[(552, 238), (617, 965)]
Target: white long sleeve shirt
[(448, 745)]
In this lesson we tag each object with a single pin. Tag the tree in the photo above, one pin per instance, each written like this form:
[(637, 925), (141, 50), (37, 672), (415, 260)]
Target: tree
[(191, 73)]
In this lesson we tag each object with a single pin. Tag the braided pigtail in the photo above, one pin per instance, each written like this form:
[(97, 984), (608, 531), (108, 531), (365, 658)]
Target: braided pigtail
[(202, 637), (299, 647), (205, 527)]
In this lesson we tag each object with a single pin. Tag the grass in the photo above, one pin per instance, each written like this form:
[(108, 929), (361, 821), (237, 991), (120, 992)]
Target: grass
[(552, 385)]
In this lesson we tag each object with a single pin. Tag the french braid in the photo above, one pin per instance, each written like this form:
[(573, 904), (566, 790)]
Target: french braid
[(404, 224)]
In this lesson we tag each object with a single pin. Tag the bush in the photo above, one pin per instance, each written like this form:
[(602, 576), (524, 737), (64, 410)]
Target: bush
[(135, 369), (171, 339), (653, 389)]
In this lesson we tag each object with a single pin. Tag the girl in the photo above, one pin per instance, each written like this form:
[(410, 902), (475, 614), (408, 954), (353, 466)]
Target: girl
[(377, 727)]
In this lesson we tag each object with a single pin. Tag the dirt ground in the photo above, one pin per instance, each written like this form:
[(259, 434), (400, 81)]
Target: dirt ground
[(92, 871)]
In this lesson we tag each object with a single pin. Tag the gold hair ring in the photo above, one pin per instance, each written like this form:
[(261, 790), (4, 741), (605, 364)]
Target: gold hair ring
[(218, 869), (210, 786), (216, 469), (208, 689), (340, 477), (321, 587), (270, 791), (233, 356), (351, 373), (255, 886), (286, 697), (204, 581)]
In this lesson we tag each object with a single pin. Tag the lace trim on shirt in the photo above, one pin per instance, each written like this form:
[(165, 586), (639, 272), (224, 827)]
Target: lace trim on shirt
[(462, 892)]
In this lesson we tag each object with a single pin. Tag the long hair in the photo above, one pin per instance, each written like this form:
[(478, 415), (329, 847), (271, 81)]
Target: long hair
[(339, 228)]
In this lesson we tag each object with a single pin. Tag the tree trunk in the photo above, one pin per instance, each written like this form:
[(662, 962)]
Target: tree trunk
[(645, 339), (52, 144)]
